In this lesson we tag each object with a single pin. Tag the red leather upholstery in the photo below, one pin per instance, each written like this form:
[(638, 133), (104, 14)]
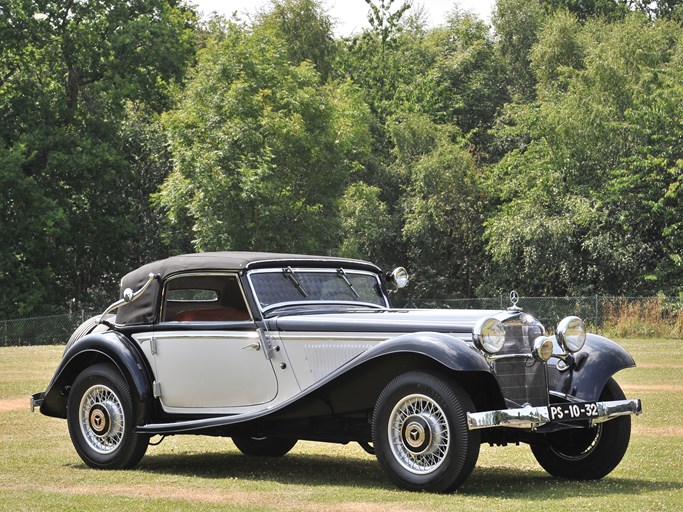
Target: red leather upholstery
[(212, 315)]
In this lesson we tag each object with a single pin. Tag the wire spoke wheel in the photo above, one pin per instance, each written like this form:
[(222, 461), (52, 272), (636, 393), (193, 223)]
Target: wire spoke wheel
[(419, 435), (576, 445), (100, 412), (102, 419), (589, 453)]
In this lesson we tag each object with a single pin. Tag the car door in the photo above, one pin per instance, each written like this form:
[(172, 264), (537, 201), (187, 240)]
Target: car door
[(207, 352), (212, 368)]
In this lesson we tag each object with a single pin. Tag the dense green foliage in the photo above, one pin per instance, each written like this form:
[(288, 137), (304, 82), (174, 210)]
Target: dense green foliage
[(80, 83), (263, 148), (543, 153)]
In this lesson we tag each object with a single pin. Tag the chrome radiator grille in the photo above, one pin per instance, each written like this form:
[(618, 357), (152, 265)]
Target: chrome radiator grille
[(522, 380)]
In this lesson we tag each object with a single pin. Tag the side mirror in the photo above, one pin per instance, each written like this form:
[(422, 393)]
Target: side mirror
[(398, 277)]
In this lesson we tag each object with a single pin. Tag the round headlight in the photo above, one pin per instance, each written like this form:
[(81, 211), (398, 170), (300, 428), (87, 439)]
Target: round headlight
[(543, 348), (571, 333), (489, 335)]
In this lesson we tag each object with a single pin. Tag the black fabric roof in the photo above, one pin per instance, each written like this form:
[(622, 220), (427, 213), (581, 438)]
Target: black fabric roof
[(143, 310)]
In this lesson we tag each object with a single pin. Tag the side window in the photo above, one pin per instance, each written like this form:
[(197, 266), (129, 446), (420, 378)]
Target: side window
[(194, 298)]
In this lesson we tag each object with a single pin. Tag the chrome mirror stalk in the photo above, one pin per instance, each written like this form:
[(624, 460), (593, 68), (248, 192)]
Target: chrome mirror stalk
[(128, 297)]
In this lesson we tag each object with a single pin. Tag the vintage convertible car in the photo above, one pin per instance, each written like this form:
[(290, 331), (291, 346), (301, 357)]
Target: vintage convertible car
[(269, 349)]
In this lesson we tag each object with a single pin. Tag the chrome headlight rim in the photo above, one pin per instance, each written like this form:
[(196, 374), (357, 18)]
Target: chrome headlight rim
[(571, 334), (489, 335), (543, 348)]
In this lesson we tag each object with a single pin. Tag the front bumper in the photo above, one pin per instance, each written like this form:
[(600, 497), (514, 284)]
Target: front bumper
[(533, 417)]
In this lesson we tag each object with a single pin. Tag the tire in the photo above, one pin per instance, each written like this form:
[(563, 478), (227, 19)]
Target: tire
[(100, 415), (420, 434), (264, 446), (90, 325), (587, 454)]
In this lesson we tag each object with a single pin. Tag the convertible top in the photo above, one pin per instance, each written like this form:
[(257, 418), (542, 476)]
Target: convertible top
[(144, 309)]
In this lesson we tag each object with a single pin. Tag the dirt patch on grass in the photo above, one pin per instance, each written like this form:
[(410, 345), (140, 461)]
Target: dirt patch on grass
[(269, 500), (648, 431), (14, 404)]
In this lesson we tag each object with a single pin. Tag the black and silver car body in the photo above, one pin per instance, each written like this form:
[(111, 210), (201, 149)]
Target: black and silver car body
[(270, 349)]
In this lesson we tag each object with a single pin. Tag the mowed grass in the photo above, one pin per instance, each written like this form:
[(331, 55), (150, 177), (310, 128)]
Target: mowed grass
[(39, 469)]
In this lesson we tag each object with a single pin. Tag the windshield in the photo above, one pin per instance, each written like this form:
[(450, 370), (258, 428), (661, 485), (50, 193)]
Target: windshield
[(287, 285)]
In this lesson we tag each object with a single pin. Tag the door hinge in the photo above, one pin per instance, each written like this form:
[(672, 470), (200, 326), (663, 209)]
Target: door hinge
[(156, 389), (265, 341), (153, 345)]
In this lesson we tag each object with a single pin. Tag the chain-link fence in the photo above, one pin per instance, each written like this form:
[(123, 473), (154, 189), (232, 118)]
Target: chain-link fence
[(43, 330), (596, 310)]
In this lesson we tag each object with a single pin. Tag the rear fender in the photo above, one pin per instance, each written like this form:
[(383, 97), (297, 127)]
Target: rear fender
[(589, 369), (108, 347)]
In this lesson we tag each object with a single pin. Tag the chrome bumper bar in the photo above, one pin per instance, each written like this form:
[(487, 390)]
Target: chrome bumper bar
[(534, 417)]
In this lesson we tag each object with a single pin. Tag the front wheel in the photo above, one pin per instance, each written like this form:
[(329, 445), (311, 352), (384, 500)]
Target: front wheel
[(264, 446), (100, 420), (420, 434), (588, 453)]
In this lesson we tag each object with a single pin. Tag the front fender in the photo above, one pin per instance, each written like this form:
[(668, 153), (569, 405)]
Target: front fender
[(112, 347), (589, 370), (452, 352)]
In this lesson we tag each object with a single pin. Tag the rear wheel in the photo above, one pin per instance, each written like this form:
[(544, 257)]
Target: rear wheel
[(100, 419), (588, 453), (420, 434), (264, 446)]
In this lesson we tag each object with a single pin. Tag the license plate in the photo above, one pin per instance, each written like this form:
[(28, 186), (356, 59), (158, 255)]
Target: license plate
[(569, 412)]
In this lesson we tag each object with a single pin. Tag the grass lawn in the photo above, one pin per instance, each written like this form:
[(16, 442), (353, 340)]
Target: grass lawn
[(39, 469)]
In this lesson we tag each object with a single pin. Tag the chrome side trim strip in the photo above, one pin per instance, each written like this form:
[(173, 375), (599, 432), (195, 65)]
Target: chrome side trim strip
[(198, 334), (534, 417)]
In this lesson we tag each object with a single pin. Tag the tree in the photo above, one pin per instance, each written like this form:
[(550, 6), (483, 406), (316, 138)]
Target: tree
[(442, 207), (307, 31), (465, 86), (385, 60), (365, 221), (614, 9), (586, 9), (517, 23), (558, 54), (69, 72), (590, 203), (263, 150)]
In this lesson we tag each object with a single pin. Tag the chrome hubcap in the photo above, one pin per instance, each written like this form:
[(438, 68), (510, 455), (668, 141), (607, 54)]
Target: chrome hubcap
[(101, 419), (418, 434)]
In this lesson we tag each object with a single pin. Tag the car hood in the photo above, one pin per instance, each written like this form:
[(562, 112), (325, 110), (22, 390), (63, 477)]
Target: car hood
[(389, 320)]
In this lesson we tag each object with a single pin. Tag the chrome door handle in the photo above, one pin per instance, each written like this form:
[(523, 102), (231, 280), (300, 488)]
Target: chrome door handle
[(254, 346)]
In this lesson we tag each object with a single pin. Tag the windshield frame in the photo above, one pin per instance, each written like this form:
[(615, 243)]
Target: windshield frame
[(342, 273)]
